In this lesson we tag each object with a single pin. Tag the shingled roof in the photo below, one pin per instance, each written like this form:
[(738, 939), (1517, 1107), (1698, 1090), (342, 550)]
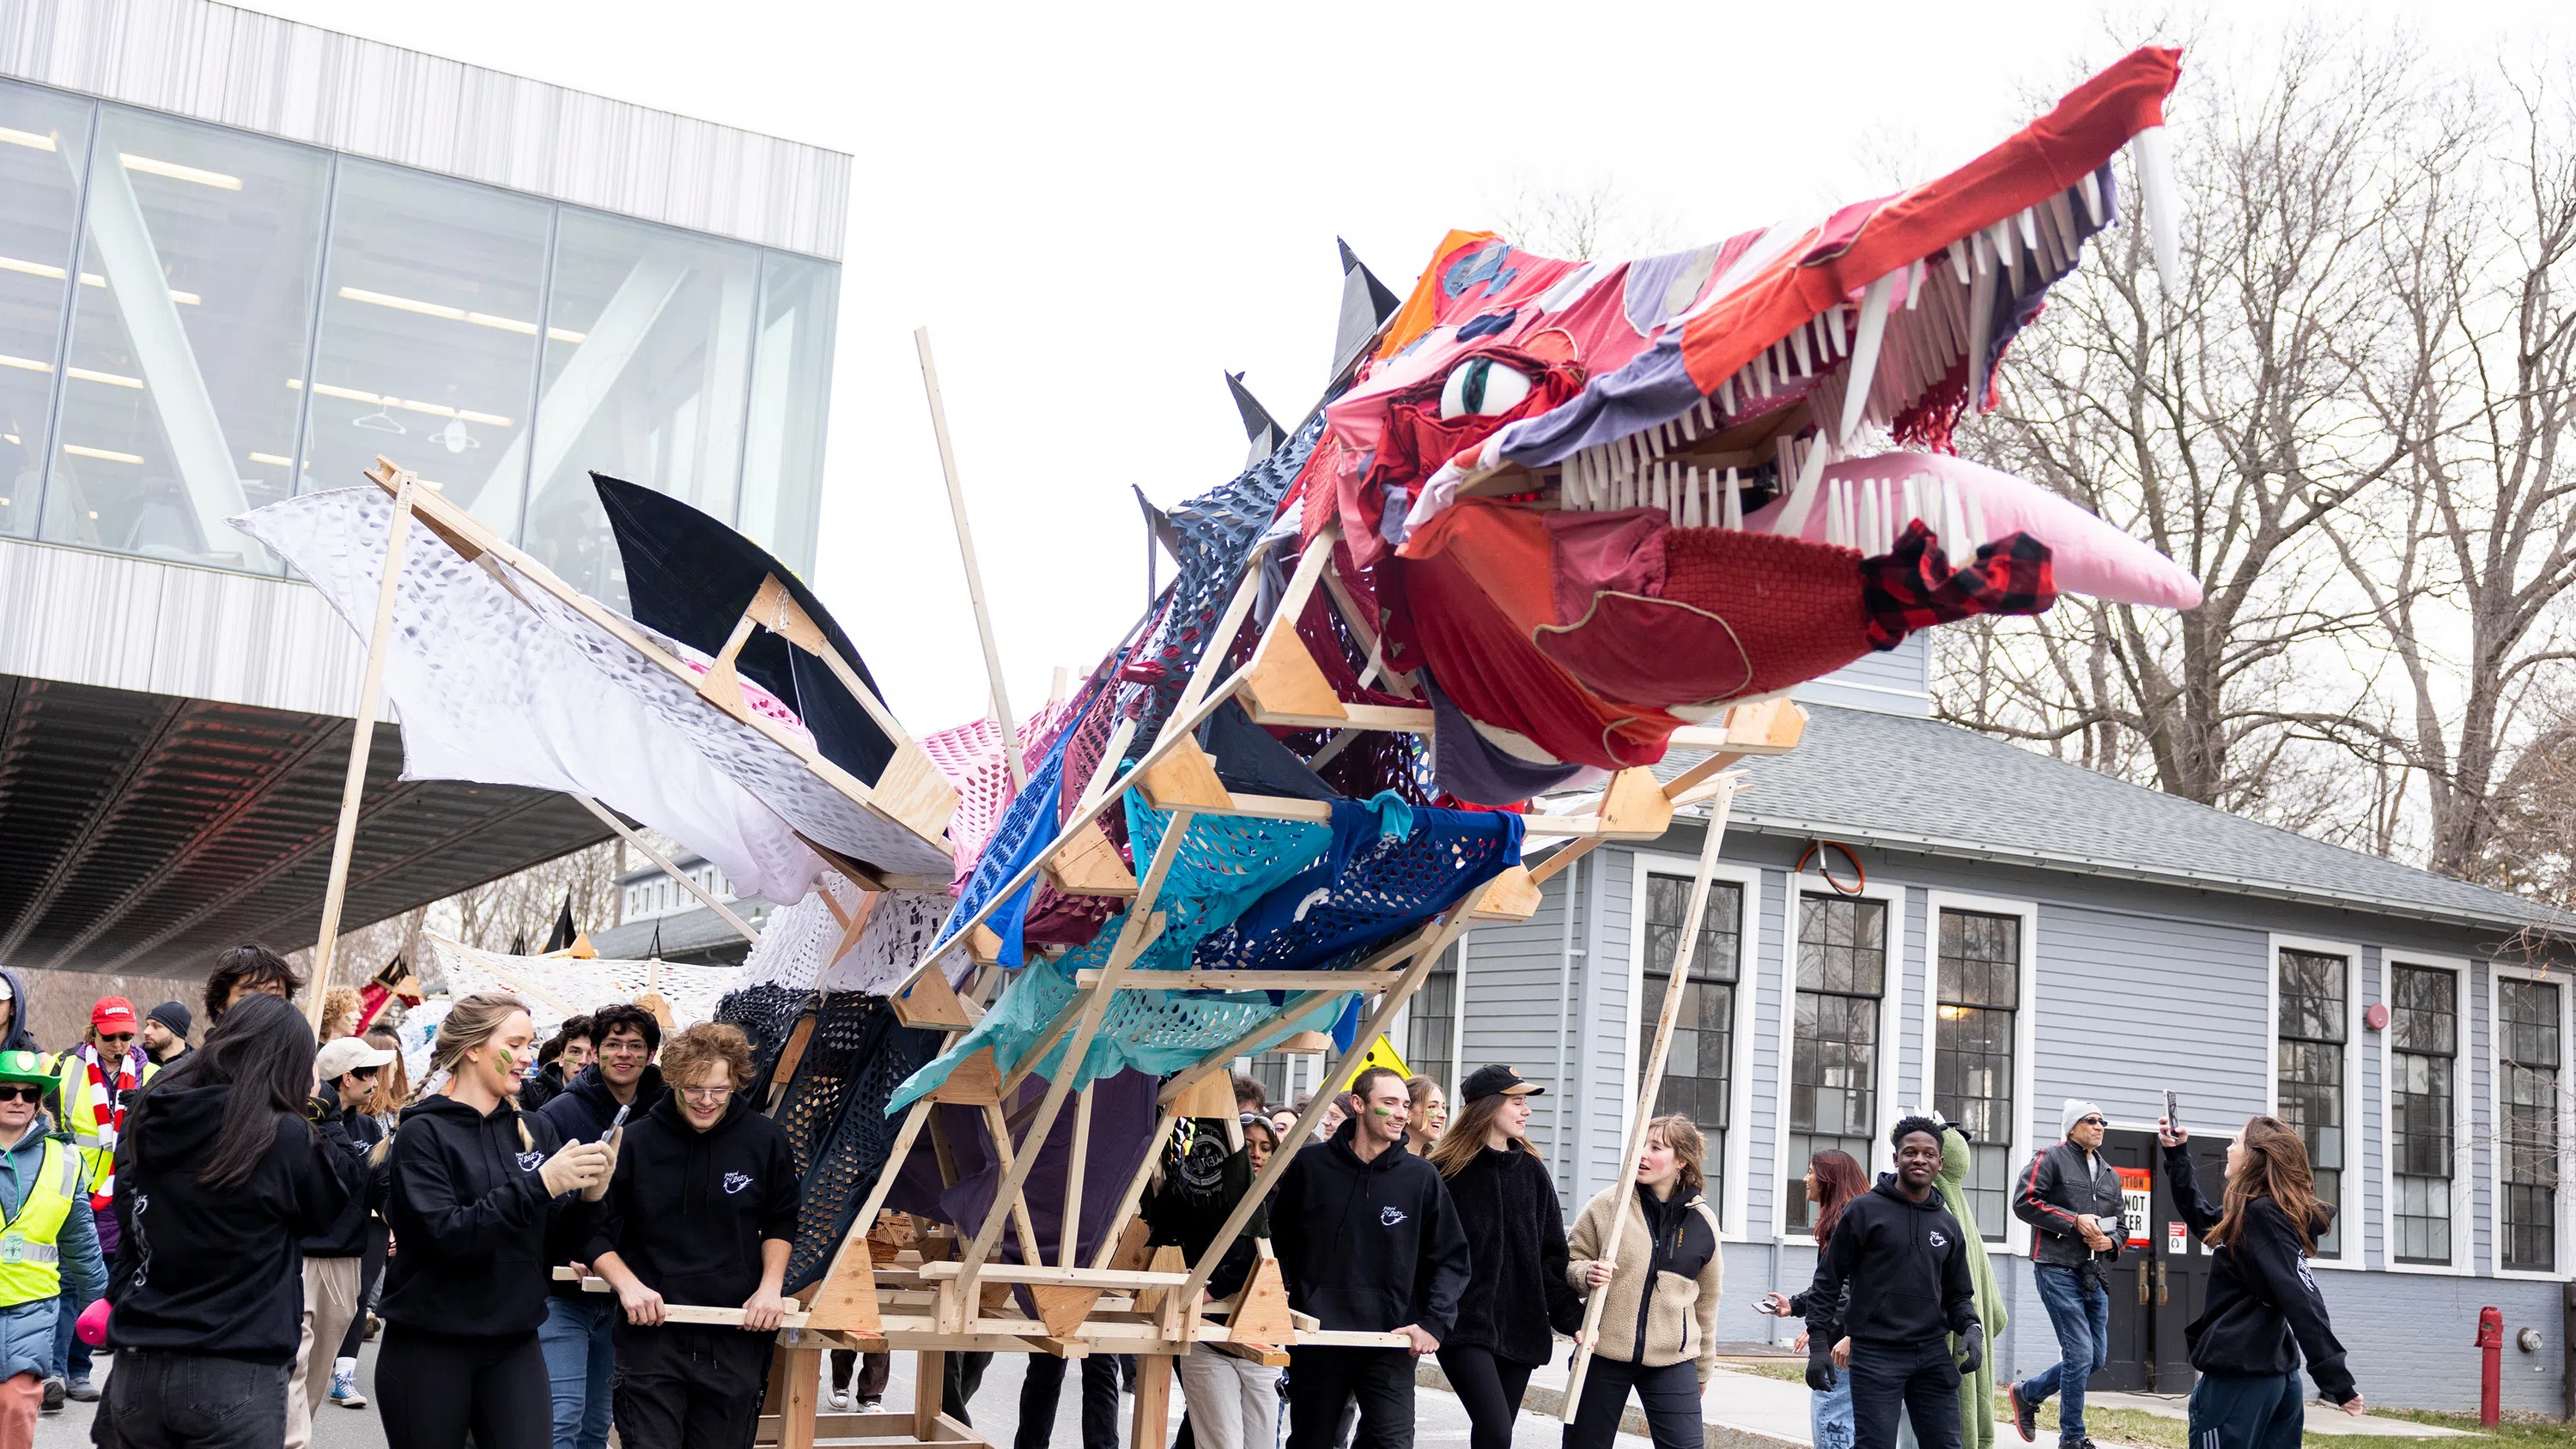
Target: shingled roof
[(1905, 782)]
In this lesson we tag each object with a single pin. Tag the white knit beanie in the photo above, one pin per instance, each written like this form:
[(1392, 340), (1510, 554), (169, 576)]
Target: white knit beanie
[(2076, 1111)]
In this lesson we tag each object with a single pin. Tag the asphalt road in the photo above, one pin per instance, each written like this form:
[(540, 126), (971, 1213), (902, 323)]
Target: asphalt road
[(1438, 1418)]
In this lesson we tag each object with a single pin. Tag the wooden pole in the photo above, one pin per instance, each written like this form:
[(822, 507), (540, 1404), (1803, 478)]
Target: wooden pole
[(609, 818), (1072, 1240), (974, 574), (362, 739), (1674, 988)]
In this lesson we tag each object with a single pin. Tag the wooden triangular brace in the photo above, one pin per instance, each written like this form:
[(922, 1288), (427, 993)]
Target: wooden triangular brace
[(1306, 1044), (1062, 1307), (1185, 778), (789, 1057), (1511, 896), (1284, 686), (974, 1082), (1261, 1310), (1088, 865), (1770, 728), (932, 1002), (1209, 1096), (847, 1301), (911, 789), (1167, 1259), (1133, 1247), (1634, 807)]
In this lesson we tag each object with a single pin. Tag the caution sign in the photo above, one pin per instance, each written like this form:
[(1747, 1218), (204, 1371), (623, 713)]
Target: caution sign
[(2137, 1191), (1381, 1053)]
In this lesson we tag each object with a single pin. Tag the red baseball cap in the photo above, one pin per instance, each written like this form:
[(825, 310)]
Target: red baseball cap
[(111, 1012)]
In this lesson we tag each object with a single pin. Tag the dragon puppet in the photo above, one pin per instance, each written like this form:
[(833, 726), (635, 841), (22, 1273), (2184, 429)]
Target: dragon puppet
[(1586, 503)]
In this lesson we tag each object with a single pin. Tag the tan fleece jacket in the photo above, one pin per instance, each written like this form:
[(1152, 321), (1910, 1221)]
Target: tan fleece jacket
[(1682, 1321)]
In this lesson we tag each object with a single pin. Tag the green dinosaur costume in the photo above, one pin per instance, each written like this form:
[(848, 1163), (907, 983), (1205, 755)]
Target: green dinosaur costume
[(1977, 1394)]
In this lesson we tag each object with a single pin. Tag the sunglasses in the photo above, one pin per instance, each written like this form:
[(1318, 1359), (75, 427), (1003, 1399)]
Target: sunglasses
[(116, 1038), (15, 1092), (2091, 1122)]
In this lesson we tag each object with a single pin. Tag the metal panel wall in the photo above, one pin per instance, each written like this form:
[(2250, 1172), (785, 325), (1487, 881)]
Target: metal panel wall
[(132, 623), (231, 66)]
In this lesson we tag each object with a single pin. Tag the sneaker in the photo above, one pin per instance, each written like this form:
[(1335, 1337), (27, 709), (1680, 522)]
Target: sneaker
[(82, 1391), (838, 1401), (870, 1404), (53, 1395), (344, 1390), (2025, 1416)]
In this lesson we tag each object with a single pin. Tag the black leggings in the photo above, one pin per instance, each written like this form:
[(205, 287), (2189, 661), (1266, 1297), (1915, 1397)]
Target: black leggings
[(431, 1388), (371, 1271), (1490, 1390)]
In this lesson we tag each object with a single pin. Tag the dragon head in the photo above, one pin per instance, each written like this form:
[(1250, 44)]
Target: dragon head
[(1648, 473)]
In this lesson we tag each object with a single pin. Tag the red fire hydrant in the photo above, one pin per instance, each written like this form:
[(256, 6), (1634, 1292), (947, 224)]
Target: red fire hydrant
[(2490, 1365)]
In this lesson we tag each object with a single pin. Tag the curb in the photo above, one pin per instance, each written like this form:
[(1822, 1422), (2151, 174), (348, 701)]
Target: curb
[(1542, 1400)]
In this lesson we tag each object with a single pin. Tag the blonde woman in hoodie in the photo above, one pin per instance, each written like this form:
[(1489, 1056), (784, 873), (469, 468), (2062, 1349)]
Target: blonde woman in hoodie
[(1658, 1331)]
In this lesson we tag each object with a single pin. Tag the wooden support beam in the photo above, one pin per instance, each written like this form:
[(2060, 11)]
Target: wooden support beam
[(706, 898), (1001, 694), (1197, 980), (1511, 896), (1071, 1218), (1185, 779), (932, 1002), (1651, 1081), (974, 1082), (1086, 864)]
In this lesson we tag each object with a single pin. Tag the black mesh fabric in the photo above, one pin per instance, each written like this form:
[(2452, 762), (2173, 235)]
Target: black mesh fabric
[(1216, 529), (767, 1013), (836, 1120)]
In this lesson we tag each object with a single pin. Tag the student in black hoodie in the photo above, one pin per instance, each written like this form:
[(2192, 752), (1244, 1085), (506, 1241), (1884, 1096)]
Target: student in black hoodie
[(1506, 1201), (225, 1164), (2263, 1309), (476, 1185), (1367, 1239), (1890, 1288), (702, 1211), (579, 1334)]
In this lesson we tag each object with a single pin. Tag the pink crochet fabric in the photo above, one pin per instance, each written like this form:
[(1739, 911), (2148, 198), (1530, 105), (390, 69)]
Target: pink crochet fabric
[(969, 757)]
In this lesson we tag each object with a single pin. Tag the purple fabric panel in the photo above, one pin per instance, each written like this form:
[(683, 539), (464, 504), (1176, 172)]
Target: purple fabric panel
[(1653, 388), (1123, 1111), (1463, 764)]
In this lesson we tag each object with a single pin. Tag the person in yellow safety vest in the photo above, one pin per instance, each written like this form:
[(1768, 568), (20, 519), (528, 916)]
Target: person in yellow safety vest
[(91, 1083), (48, 1243)]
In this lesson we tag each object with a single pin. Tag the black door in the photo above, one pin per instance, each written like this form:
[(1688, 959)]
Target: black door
[(2131, 1362), (2182, 1267)]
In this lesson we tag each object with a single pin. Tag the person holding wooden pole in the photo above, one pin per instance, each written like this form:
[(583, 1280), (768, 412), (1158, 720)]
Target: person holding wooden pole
[(1368, 1239), (702, 1212), (1659, 1280)]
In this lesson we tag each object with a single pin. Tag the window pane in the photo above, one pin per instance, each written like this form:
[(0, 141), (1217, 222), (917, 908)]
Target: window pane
[(2311, 1072), (791, 392), (187, 365), (1699, 1070), (1972, 1072), (1431, 1020), (648, 368), (43, 148), (1833, 1057), (2528, 1085), (429, 337)]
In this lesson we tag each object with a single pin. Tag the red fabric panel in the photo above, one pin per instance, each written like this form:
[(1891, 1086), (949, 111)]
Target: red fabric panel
[(2095, 120), (1623, 552), (1794, 607), (1630, 647)]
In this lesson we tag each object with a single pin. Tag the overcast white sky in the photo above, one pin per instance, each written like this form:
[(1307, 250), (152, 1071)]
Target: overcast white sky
[(1096, 209)]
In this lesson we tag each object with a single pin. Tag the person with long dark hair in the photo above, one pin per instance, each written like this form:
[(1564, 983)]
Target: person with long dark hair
[(384, 1104), (1658, 1332), (476, 1184), (227, 1162), (2263, 1309), (1506, 1200), (1834, 1178)]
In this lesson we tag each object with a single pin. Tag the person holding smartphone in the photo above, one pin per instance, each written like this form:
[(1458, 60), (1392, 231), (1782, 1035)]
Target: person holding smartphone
[(2263, 1309)]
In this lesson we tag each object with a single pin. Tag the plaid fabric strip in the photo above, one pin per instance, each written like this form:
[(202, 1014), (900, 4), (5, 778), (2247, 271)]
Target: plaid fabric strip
[(1913, 586)]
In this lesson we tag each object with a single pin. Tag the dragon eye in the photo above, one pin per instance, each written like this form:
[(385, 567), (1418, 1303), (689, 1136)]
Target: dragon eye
[(1483, 387)]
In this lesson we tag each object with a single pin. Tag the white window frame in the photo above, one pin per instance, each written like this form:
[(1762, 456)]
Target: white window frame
[(2025, 1024), (2495, 1115), (2355, 1252), (1736, 1208), (1891, 1034), (2464, 1155)]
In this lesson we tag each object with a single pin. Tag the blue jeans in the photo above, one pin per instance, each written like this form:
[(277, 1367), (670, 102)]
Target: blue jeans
[(2081, 1314), (1829, 1415), (575, 1339), (71, 1356)]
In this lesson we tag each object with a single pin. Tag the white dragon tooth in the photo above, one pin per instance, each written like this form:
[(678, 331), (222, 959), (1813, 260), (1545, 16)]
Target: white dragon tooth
[(2062, 211), (1913, 285), (2003, 240), (1864, 364), (2163, 204), (1869, 519), (1912, 506), (1981, 318), (2029, 229), (1734, 515), (1976, 511), (1959, 260), (1726, 392), (2091, 186), (1674, 495), (1762, 371), (1690, 517), (1798, 346), (1961, 545), (1981, 247)]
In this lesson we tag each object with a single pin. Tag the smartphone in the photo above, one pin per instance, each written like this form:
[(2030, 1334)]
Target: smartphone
[(2173, 1112), (620, 1119)]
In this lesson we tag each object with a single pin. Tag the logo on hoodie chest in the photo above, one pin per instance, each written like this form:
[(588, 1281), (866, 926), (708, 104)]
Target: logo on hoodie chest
[(531, 1161), (1390, 1216), (1939, 1241), (735, 1182)]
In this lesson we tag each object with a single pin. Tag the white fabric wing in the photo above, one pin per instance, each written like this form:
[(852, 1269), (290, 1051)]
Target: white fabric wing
[(489, 692)]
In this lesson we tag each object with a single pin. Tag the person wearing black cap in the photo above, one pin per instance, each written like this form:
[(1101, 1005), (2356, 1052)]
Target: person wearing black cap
[(165, 1033), (1506, 1201), (1367, 1239)]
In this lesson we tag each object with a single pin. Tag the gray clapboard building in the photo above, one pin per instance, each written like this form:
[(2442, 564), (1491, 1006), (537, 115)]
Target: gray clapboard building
[(2006, 932)]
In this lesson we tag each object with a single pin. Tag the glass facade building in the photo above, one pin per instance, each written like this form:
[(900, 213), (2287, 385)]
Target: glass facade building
[(197, 320)]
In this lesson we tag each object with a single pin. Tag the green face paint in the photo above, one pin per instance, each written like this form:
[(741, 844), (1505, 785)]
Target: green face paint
[(1380, 1112)]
